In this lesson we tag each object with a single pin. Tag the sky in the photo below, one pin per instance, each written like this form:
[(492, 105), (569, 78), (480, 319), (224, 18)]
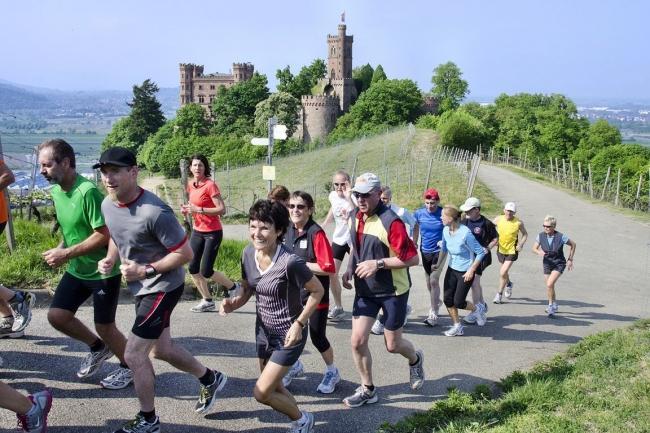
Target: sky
[(580, 48)]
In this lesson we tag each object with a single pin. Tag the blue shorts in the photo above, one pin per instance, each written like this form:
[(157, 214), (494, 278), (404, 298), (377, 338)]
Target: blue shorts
[(393, 308), (271, 347)]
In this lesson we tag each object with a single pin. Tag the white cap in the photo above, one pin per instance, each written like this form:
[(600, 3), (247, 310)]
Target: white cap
[(366, 182), (511, 206), (470, 204)]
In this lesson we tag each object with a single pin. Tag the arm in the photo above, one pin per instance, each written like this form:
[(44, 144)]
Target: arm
[(105, 265), (349, 273), (6, 176), (401, 244), (537, 250), (572, 251), (479, 252), (524, 236), (316, 291), (133, 271), (60, 255), (324, 256), (416, 234), (328, 218)]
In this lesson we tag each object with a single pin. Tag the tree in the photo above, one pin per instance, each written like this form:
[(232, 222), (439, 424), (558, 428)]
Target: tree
[(461, 129), (448, 86), (362, 77), (282, 105), (120, 135), (234, 107), (599, 136), (378, 75), (302, 83), (191, 120), (146, 114)]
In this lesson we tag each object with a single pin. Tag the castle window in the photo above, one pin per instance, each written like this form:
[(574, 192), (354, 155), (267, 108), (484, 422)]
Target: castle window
[(211, 86), (200, 87), (201, 99)]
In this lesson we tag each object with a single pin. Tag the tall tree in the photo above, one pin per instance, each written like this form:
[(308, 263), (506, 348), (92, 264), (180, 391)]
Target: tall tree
[(146, 114), (282, 105), (234, 107), (191, 120), (302, 83), (448, 86), (378, 75), (362, 77)]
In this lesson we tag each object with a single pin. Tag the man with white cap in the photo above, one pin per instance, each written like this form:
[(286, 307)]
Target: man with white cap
[(381, 253), (486, 234), (508, 228)]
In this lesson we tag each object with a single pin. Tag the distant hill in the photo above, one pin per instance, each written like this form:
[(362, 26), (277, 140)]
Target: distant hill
[(15, 98)]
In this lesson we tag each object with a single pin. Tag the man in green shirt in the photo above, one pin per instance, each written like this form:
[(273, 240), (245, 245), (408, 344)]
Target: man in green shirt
[(77, 202)]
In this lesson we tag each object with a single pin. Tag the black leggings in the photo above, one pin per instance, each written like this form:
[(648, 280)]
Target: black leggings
[(456, 289), (317, 328), (205, 246)]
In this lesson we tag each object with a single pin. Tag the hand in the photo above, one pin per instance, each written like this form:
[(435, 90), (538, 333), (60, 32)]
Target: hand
[(345, 279), (132, 271), (294, 335), (541, 253), (519, 247), (434, 266), (467, 276), (226, 307), (55, 257), (569, 264), (105, 265), (366, 269), (185, 209)]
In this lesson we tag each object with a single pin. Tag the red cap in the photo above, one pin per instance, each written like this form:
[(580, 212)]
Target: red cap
[(431, 194)]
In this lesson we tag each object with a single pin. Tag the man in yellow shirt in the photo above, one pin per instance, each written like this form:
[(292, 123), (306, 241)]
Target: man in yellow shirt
[(508, 229)]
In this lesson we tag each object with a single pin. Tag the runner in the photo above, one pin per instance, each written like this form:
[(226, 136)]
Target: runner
[(307, 240), (281, 194), (381, 254), (509, 245), (429, 227), (550, 245), (340, 210), (205, 205), (31, 411), (152, 247), (278, 279), (486, 234), (77, 202), (465, 255)]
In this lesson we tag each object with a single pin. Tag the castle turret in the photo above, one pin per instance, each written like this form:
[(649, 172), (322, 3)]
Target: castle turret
[(317, 117), (242, 71), (339, 66), (186, 74)]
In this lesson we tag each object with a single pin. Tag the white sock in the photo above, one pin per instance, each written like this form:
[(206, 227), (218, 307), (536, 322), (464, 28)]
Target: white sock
[(331, 368), (303, 419)]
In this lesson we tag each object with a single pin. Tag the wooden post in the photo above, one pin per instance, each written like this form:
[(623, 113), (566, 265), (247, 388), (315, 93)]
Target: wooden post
[(557, 170), (618, 188), (354, 169), (550, 158), (580, 176), (508, 155), (602, 196), (591, 182), (426, 185), (573, 186), (184, 166), (539, 165), (638, 192), (564, 172), (525, 158)]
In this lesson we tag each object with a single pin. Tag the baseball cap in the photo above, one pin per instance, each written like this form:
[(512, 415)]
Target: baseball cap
[(470, 204), (431, 194), (366, 182), (118, 156), (510, 206)]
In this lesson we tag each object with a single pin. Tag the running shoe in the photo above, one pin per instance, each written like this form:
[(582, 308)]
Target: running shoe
[(118, 379), (377, 327), (35, 421), (204, 307), (509, 289), (93, 362), (330, 379), (296, 370), (497, 299), (481, 317), (416, 372), (23, 311), (551, 309), (432, 319), (471, 317), (208, 394), (6, 328), (455, 330), (307, 427), (485, 306), (361, 396), (140, 425), (336, 313)]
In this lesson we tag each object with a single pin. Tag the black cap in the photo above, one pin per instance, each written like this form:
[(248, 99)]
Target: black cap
[(118, 156)]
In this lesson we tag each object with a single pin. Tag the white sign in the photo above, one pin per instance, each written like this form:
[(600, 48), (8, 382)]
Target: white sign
[(268, 172), (264, 141), (280, 132)]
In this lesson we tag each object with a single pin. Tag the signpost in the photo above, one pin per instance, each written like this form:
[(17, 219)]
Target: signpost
[(275, 131)]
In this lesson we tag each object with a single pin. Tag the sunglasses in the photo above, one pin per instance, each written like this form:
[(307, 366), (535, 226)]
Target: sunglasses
[(431, 197), (364, 195), (299, 206), (547, 227), (338, 184)]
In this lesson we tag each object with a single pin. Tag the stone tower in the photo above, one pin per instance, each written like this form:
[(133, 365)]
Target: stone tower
[(242, 71), (339, 66)]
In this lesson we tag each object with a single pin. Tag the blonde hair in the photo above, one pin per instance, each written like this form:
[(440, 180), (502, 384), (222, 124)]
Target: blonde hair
[(452, 211), (344, 174), (550, 220)]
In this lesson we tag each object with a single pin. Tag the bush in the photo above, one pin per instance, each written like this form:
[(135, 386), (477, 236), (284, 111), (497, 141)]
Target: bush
[(428, 121), (460, 129), (229, 258)]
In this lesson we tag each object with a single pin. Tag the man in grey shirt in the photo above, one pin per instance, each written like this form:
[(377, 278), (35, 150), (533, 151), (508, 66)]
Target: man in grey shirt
[(152, 247)]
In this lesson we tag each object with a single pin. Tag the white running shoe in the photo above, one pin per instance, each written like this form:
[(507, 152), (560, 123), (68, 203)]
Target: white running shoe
[(497, 299), (471, 317), (432, 319), (330, 379), (307, 427), (296, 370), (118, 379), (23, 311), (455, 330), (481, 317), (204, 307), (336, 313), (509, 289), (93, 362), (377, 328), (551, 309)]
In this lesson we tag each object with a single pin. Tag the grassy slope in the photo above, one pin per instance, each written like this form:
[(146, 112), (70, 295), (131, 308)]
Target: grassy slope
[(601, 384)]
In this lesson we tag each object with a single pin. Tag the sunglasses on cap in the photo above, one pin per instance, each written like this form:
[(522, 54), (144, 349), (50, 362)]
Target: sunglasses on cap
[(299, 206), (363, 195)]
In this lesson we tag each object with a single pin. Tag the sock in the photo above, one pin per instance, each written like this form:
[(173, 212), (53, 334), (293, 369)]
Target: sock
[(208, 378), (123, 365), (416, 361), (97, 345), (370, 387), (149, 416), (331, 368), (207, 299)]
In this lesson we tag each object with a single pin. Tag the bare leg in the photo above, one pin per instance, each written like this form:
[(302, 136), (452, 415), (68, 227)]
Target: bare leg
[(137, 357), (551, 279), (114, 339), (5, 295), (477, 291), (335, 285), (328, 356), (396, 344), (269, 390), (359, 340), (504, 276), (201, 285), (166, 350), (453, 313), (13, 400), (434, 291), (64, 321)]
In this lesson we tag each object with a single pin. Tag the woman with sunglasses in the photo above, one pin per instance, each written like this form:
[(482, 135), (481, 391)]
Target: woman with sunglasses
[(205, 205), (549, 245), (278, 280), (340, 210), (307, 240)]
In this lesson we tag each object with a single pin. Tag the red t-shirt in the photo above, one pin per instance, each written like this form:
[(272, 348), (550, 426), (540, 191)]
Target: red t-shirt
[(201, 195), (323, 252)]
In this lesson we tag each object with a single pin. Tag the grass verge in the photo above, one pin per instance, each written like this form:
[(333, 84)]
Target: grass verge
[(601, 384)]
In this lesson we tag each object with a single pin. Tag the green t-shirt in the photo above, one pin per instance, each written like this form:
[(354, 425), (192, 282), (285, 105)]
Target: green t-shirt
[(78, 212)]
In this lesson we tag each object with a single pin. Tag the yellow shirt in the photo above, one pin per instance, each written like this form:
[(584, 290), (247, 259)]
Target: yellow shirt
[(508, 233)]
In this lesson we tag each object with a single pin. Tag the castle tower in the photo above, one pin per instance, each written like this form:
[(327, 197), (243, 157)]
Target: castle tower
[(186, 75), (339, 66), (242, 71)]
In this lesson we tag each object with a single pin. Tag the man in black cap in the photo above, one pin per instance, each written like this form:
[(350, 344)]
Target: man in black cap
[(152, 246), (85, 238)]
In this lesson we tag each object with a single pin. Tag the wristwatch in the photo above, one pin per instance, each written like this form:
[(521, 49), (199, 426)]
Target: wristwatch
[(381, 264), (150, 271)]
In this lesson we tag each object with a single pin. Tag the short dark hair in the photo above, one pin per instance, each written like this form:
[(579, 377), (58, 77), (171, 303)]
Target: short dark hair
[(305, 196), (270, 212), (60, 149), (279, 193), (204, 160)]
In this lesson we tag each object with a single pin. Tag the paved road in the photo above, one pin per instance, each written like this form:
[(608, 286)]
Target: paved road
[(609, 288)]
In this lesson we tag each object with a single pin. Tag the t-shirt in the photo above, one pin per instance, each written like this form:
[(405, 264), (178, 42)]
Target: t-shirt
[(463, 248), (341, 209), (549, 239), (146, 230), (405, 216), (430, 229), (508, 234), (4, 209), (277, 288), (201, 196), (483, 229), (79, 213)]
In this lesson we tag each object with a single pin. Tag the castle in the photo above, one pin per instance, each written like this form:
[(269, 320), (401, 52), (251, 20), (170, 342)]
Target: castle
[(202, 89)]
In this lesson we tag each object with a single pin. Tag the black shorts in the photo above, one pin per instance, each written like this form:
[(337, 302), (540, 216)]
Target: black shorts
[(205, 246), (507, 257), (456, 289), (428, 259), (71, 292), (2, 227), (393, 307), (550, 267), (152, 312), (487, 261), (339, 251), (271, 347)]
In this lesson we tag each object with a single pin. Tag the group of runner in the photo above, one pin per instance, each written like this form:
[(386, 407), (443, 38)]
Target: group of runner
[(289, 265)]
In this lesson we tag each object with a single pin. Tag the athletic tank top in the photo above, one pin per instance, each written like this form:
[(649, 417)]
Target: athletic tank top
[(508, 233)]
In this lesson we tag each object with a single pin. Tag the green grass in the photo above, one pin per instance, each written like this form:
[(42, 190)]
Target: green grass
[(601, 384)]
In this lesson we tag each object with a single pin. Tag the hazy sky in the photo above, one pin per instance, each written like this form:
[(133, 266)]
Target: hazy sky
[(579, 48)]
